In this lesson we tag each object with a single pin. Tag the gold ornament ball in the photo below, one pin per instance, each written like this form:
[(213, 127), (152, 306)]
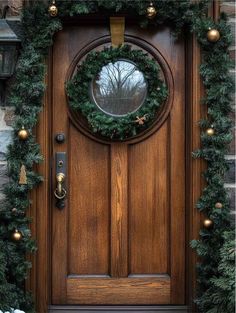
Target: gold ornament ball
[(14, 210), (210, 131), (23, 134), (52, 10), (16, 236), (213, 35), (219, 205), (208, 223), (151, 11)]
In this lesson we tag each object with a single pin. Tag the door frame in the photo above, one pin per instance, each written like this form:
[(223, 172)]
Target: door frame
[(39, 279)]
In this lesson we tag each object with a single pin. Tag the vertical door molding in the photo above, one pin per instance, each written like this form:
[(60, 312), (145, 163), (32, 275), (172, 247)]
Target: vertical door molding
[(39, 279)]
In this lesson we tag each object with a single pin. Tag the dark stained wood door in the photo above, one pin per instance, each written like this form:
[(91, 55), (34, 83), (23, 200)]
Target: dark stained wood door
[(121, 237)]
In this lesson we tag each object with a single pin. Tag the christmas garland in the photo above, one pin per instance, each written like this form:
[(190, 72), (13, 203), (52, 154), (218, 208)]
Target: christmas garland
[(23, 153), (102, 123)]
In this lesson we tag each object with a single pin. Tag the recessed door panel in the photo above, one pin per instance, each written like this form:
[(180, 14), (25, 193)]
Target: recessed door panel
[(89, 217), (148, 205)]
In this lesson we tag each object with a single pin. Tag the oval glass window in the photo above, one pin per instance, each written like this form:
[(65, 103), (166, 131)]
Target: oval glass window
[(119, 88)]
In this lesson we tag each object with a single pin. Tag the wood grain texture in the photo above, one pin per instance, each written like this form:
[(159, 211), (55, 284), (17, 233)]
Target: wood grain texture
[(133, 185), (119, 290), (42, 216), (119, 211), (214, 10), (148, 205), (41, 279), (89, 206), (177, 183), (59, 124), (124, 206)]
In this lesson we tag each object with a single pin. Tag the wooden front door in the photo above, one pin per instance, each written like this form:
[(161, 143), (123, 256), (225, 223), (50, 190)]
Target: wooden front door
[(120, 239)]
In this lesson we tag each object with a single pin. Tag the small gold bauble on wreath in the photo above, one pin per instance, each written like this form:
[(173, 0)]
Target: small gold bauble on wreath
[(213, 35), (218, 205), (53, 10), (151, 11), (16, 236), (23, 134), (99, 63), (208, 223)]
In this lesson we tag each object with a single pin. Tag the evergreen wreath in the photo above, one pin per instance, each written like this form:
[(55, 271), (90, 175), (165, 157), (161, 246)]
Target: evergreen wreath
[(102, 123), (214, 270)]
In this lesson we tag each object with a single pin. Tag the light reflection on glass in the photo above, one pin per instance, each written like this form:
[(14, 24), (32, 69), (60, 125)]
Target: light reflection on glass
[(120, 88)]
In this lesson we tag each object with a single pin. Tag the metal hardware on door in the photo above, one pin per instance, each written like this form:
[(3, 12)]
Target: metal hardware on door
[(60, 191), (60, 138), (60, 163), (60, 204)]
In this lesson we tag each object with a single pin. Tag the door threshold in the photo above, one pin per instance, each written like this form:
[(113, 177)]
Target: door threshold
[(117, 309)]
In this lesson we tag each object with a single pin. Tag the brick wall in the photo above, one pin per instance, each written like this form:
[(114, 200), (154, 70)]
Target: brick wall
[(7, 113)]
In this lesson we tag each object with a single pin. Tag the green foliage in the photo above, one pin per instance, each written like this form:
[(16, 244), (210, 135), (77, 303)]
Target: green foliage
[(220, 295), (219, 87), (104, 124), (177, 13), (215, 280), (26, 97)]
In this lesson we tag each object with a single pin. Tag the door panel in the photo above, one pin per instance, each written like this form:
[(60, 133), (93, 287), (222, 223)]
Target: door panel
[(119, 290), (88, 175), (121, 237), (148, 205)]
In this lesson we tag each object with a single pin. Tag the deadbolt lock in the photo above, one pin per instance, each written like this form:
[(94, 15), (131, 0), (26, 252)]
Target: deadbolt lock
[(60, 138)]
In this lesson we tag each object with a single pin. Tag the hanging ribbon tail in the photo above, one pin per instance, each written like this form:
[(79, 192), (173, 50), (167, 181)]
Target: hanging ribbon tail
[(117, 29)]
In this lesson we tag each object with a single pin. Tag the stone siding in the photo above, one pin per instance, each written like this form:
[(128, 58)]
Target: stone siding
[(15, 7), (229, 8), (5, 139), (7, 113)]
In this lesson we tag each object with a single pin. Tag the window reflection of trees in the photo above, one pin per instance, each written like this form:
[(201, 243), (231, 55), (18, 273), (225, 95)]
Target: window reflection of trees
[(120, 88)]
